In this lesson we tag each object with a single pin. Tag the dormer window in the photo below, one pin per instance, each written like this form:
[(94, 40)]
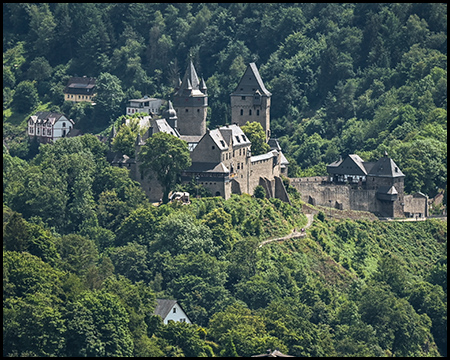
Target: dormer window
[(237, 139)]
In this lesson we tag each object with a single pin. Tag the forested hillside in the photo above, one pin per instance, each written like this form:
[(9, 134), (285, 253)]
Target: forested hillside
[(85, 254)]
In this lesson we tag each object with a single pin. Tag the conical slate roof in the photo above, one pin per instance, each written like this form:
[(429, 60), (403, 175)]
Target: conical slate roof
[(190, 83)]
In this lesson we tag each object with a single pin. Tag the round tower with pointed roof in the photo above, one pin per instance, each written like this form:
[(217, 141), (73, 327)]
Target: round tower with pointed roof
[(190, 102)]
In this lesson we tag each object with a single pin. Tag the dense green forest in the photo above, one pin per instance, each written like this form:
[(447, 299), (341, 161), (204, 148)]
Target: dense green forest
[(85, 254)]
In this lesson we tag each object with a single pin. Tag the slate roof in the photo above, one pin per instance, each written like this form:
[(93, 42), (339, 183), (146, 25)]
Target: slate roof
[(218, 137), (47, 117), (251, 82), (208, 167), (190, 85), (270, 353), (385, 167), (265, 156), (163, 307), (354, 165), (351, 165), (387, 190), (161, 125), (235, 134), (80, 85), (283, 160)]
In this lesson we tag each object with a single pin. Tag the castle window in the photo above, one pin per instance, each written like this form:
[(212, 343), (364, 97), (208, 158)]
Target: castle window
[(213, 147), (174, 310), (242, 97), (187, 110), (250, 112), (64, 124), (242, 112), (257, 112), (198, 110)]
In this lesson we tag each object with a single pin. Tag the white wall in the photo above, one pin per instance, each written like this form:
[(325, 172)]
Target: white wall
[(177, 316), (58, 127)]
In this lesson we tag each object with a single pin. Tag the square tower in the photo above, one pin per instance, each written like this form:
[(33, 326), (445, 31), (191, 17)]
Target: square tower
[(191, 104), (250, 101)]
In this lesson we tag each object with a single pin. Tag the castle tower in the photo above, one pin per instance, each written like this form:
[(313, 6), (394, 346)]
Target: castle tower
[(190, 102), (171, 116), (250, 101), (388, 180)]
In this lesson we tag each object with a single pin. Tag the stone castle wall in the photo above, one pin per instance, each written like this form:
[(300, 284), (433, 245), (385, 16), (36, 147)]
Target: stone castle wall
[(316, 191)]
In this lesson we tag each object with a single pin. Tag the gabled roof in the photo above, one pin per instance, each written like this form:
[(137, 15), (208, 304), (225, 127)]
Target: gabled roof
[(218, 138), (385, 167), (234, 134), (43, 117), (163, 307), (161, 125), (270, 353), (251, 82), (351, 165)]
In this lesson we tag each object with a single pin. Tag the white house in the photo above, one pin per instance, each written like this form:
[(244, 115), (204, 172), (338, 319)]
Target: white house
[(170, 310), (49, 126), (146, 105)]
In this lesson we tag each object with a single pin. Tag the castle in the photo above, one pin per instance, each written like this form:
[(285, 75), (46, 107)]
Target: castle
[(223, 163), (221, 158), (354, 184)]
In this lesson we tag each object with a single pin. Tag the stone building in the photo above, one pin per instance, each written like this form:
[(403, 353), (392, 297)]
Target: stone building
[(250, 101), (354, 184), (190, 102), (221, 158)]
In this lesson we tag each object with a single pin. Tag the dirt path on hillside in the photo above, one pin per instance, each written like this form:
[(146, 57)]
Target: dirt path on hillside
[(294, 234)]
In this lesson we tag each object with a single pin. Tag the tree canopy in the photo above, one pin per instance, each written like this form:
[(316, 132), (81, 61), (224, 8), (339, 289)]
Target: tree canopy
[(164, 156)]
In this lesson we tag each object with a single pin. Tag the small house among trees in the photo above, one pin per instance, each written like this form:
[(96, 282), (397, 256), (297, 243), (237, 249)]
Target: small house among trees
[(79, 89), (170, 310), (49, 126)]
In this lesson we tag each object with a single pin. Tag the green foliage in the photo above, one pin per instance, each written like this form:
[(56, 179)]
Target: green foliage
[(125, 140), (255, 133), (166, 156), (259, 192), (97, 325)]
